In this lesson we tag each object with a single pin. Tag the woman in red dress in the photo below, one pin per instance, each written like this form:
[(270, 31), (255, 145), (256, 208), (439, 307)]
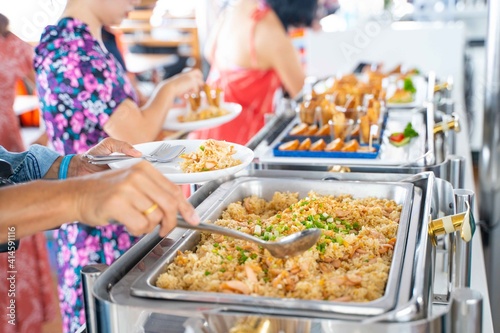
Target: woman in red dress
[(251, 57)]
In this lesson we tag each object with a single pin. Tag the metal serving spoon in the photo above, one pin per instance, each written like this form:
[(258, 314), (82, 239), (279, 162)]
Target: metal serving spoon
[(288, 246)]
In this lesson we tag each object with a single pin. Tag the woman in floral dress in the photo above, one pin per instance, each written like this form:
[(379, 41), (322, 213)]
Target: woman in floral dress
[(86, 96)]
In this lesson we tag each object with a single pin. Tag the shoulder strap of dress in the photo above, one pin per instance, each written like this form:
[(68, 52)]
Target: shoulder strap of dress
[(258, 14)]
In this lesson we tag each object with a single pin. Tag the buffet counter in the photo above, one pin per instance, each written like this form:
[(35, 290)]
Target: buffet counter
[(433, 279), (120, 299), (461, 150)]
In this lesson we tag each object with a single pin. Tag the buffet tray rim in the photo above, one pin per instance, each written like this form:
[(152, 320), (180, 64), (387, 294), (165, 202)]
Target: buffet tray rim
[(144, 286)]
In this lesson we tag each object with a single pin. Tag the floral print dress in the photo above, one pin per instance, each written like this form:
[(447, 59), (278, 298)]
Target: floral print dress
[(79, 85)]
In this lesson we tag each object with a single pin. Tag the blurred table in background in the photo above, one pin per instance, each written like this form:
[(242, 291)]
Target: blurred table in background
[(24, 104), (158, 29), (139, 63)]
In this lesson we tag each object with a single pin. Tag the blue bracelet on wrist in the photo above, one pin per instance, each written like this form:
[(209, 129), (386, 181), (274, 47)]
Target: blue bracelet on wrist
[(63, 168)]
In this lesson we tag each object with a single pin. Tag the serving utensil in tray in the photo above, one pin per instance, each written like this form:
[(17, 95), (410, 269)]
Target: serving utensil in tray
[(288, 246), (235, 190)]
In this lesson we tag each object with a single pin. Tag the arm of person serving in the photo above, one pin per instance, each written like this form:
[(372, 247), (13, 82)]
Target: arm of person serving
[(139, 197)]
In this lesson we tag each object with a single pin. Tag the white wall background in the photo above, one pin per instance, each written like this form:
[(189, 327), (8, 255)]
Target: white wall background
[(28, 18)]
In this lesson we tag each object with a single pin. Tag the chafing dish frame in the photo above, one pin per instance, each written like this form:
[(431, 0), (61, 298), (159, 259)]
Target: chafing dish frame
[(237, 190), (116, 310)]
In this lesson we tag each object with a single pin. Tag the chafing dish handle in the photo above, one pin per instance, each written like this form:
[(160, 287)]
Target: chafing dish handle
[(463, 248), (466, 311), (463, 222), (90, 273)]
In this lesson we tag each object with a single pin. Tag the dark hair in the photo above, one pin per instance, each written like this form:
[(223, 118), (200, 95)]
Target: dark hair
[(294, 12), (4, 25)]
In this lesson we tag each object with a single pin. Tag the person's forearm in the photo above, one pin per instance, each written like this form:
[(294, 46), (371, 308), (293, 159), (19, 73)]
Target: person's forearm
[(162, 98), (53, 172), (36, 206), (74, 168), (137, 125)]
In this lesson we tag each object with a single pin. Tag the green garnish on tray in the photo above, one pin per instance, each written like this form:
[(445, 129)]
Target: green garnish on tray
[(409, 86), (400, 139)]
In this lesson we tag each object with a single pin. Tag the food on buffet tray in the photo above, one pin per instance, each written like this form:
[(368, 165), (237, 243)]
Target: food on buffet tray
[(300, 129), (324, 130), (312, 129), (366, 149), (290, 145), (212, 155), (204, 113), (399, 69), (364, 126), (351, 109), (198, 111), (401, 96), (335, 145), (373, 110), (396, 70), (318, 145), (351, 146), (348, 94), (303, 129), (341, 127), (305, 145), (408, 85), (345, 95), (403, 73), (350, 262), (400, 139), (406, 94), (307, 111)]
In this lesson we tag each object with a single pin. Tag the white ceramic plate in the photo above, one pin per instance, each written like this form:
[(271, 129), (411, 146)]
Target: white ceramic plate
[(172, 170), (420, 95), (172, 122)]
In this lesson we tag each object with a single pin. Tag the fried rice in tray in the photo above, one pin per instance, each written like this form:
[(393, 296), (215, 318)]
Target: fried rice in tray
[(350, 262)]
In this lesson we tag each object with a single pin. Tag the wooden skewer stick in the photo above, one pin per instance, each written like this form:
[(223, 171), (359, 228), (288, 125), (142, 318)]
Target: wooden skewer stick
[(208, 93)]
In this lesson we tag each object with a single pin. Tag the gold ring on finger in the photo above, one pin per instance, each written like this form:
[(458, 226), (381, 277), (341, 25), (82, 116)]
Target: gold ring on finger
[(150, 209)]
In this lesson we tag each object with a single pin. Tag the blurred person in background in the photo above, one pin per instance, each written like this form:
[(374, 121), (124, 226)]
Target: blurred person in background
[(86, 96), (251, 57), (16, 63), (35, 304)]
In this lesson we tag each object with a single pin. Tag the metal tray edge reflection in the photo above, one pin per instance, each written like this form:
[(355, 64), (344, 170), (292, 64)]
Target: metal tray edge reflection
[(401, 192)]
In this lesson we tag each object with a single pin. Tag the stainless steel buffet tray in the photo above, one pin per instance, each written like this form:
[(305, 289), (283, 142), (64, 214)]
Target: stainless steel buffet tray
[(238, 189)]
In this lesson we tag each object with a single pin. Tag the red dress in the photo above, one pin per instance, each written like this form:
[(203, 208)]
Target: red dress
[(253, 88), (33, 288), (16, 61)]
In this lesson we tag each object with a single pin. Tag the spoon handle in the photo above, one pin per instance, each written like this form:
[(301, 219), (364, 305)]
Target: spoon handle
[(213, 228)]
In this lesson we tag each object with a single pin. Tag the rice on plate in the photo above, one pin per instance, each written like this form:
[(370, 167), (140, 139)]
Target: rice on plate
[(211, 155)]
